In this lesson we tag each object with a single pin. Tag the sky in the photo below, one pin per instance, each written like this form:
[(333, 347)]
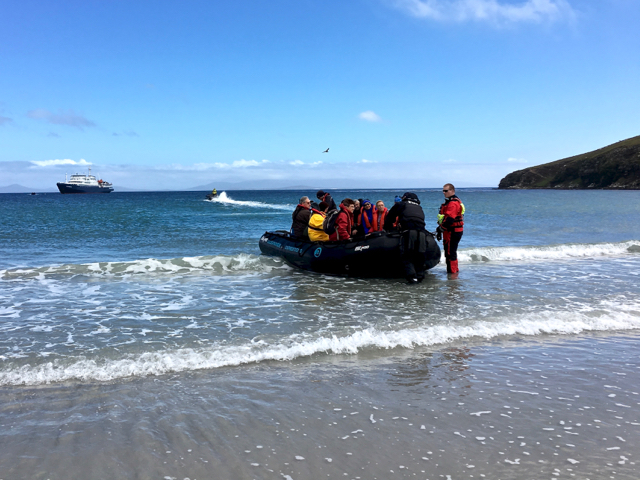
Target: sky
[(173, 95)]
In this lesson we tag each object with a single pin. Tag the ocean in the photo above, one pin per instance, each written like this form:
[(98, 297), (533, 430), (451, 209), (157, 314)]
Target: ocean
[(143, 335)]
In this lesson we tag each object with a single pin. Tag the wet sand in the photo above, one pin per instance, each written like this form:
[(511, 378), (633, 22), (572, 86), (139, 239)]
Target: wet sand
[(547, 407)]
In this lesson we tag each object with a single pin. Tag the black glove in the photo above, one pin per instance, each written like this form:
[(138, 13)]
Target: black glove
[(439, 233)]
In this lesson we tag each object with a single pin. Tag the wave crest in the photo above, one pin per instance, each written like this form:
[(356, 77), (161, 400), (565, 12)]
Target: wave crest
[(547, 252), (609, 318), (218, 264)]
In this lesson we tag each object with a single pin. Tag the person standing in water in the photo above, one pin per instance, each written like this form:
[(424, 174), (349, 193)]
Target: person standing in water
[(450, 226), (408, 214)]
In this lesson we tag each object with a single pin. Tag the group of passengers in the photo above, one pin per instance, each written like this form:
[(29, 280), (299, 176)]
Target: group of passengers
[(355, 218)]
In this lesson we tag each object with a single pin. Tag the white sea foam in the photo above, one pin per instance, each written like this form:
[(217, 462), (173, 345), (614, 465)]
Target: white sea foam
[(227, 200), (548, 252), (219, 355), (220, 264)]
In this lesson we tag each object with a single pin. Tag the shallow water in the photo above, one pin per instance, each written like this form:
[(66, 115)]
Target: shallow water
[(132, 325)]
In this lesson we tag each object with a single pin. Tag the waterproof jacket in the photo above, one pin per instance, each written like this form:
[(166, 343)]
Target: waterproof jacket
[(344, 224), (300, 217), (452, 211), (316, 233)]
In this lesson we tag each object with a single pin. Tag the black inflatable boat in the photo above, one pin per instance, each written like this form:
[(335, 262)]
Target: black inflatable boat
[(376, 255)]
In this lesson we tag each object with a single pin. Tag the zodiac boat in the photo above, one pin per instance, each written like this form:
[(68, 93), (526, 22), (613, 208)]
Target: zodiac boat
[(375, 255)]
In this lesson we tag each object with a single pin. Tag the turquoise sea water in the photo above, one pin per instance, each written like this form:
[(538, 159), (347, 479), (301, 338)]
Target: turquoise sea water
[(105, 291)]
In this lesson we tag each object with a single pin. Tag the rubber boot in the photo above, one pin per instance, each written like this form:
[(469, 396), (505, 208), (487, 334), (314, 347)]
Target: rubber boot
[(454, 266), (448, 266)]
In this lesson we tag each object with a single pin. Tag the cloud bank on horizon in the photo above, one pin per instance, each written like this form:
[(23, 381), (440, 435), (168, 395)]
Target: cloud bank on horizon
[(263, 174)]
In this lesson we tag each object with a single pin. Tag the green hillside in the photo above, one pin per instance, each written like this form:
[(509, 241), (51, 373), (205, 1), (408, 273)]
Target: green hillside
[(616, 166)]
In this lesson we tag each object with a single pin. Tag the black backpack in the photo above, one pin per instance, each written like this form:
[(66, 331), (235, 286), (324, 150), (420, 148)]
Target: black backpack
[(329, 223)]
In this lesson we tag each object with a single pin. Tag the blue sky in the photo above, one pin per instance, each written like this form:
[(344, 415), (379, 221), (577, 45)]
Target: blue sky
[(405, 93)]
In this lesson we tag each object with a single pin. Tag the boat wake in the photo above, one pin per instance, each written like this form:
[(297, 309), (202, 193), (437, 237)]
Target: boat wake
[(224, 199)]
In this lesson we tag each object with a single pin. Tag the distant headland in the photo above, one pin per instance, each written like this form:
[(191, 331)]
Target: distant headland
[(615, 167)]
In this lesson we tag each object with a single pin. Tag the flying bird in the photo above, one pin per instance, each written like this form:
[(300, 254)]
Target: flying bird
[(326, 151)]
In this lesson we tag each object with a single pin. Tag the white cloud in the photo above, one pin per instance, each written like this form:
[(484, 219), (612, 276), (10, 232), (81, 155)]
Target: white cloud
[(492, 11), (69, 118), (517, 160), (296, 162), (247, 163), (364, 160), (66, 161), (218, 165), (450, 160), (370, 116)]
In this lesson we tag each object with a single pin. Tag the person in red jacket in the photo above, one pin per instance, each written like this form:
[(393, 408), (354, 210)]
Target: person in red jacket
[(450, 226), (344, 222)]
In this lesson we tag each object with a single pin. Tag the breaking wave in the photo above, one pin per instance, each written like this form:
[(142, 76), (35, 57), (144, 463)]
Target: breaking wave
[(606, 318), (548, 252), (218, 264)]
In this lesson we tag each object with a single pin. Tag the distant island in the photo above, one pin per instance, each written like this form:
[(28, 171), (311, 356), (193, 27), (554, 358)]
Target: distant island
[(615, 167)]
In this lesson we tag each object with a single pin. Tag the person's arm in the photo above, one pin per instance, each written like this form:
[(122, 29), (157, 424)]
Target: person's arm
[(392, 216)]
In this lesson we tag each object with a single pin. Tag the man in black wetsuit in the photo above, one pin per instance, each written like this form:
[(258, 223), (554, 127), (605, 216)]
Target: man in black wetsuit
[(413, 246)]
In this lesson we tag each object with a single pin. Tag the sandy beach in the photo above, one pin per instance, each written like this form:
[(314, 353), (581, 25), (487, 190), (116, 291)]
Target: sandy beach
[(512, 409)]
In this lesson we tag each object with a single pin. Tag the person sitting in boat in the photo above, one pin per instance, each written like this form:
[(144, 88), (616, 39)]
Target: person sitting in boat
[(413, 246), (326, 197), (357, 212), (316, 233), (300, 217), (379, 216), (367, 217), (344, 222)]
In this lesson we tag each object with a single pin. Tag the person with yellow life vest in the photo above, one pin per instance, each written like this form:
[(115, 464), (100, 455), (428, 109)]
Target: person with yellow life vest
[(450, 226), (316, 233)]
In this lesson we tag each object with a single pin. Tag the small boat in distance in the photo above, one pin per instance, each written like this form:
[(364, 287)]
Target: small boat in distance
[(212, 195), (84, 184)]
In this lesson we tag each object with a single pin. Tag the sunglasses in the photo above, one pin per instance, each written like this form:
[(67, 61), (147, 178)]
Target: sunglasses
[(445, 190)]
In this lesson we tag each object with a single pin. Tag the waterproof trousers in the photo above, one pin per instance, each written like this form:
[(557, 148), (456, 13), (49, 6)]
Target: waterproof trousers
[(450, 240), (413, 250)]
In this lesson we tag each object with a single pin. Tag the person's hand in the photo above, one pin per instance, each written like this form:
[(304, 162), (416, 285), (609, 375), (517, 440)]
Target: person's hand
[(439, 233)]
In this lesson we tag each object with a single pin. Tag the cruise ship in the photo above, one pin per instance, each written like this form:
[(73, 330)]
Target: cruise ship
[(84, 184)]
